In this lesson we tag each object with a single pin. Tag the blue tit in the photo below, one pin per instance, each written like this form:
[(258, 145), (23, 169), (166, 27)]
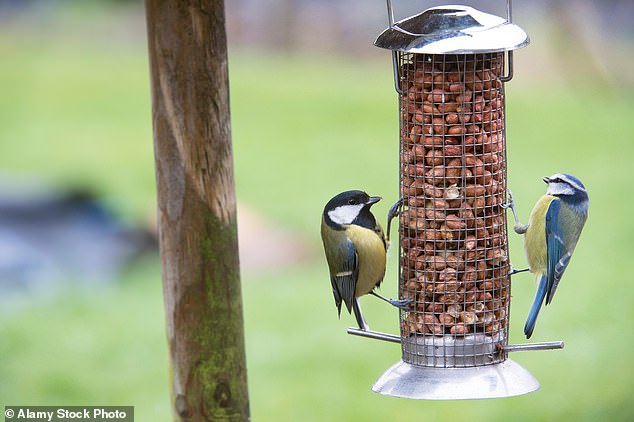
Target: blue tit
[(551, 235), (355, 249)]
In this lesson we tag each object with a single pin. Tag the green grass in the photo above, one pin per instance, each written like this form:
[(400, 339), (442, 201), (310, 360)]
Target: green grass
[(304, 128), (97, 345)]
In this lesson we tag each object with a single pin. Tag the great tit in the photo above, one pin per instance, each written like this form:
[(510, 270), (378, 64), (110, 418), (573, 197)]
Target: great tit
[(551, 235), (355, 248)]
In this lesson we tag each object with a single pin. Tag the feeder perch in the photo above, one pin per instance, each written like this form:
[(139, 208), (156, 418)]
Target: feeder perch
[(450, 66)]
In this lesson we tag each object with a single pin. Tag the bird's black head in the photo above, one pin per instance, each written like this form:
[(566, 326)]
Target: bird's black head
[(350, 207)]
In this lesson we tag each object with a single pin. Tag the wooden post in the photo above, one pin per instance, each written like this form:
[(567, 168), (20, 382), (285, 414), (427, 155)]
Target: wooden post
[(197, 210)]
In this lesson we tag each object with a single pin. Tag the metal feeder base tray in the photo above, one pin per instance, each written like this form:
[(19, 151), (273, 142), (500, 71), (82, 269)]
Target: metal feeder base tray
[(505, 379)]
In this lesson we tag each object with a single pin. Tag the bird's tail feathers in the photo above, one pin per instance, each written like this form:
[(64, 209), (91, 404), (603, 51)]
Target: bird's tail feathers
[(338, 308), (537, 304)]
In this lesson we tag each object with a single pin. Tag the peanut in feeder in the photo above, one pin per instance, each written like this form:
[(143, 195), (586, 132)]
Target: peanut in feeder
[(450, 66)]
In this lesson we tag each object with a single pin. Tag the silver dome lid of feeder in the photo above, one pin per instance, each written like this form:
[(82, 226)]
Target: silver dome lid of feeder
[(453, 29)]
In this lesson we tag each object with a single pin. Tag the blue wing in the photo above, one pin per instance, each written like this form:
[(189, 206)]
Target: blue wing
[(554, 247), (344, 279), (557, 254)]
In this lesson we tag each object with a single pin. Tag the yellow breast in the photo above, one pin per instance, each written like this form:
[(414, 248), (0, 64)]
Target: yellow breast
[(535, 239), (371, 251)]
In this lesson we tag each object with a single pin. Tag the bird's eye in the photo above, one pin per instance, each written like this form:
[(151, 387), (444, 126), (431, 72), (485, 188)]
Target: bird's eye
[(352, 202)]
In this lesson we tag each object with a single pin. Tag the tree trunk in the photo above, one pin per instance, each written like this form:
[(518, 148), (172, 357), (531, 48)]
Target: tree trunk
[(197, 210)]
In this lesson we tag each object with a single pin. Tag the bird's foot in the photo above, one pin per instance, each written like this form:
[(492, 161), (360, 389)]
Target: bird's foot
[(402, 304), (514, 271), (394, 211)]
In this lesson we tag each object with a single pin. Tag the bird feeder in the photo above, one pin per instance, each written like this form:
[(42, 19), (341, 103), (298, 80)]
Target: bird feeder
[(450, 67)]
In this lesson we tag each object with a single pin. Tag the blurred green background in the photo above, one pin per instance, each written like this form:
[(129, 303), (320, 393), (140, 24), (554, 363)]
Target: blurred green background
[(75, 111)]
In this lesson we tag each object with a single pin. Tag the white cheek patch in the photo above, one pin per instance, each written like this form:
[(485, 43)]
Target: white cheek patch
[(560, 189), (345, 214)]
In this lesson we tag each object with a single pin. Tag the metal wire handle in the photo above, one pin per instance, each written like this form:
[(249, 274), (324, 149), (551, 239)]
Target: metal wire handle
[(390, 12)]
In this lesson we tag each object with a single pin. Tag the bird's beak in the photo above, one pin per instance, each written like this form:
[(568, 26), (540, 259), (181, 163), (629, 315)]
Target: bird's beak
[(373, 200), (546, 179)]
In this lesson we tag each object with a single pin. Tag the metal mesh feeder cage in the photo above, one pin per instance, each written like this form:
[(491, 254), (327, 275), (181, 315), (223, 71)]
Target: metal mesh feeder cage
[(450, 66)]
